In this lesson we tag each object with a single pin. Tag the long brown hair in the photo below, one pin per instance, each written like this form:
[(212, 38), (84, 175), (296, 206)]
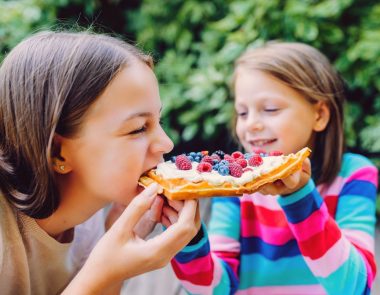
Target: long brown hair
[(309, 72), (47, 83)]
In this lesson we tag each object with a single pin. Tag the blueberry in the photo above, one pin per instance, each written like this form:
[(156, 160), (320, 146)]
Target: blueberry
[(215, 167), (215, 161), (247, 156), (190, 158), (223, 170), (192, 154), (224, 163), (197, 159), (172, 159)]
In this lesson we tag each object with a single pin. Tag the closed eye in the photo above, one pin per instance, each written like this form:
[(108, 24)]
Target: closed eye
[(137, 131)]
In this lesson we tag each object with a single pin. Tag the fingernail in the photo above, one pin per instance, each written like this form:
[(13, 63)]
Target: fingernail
[(151, 189)]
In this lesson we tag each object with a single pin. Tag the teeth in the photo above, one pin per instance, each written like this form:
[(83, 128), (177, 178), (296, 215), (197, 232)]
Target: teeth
[(260, 142)]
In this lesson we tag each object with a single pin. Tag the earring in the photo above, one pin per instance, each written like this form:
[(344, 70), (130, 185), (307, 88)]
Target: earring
[(62, 167)]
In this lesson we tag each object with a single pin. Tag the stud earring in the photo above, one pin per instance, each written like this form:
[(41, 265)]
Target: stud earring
[(62, 167)]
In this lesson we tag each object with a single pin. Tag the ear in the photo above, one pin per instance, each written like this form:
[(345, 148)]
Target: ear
[(322, 116), (61, 164)]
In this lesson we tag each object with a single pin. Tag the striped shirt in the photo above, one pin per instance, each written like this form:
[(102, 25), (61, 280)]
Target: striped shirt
[(318, 240)]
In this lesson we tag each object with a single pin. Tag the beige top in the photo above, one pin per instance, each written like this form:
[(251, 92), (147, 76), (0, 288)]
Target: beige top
[(31, 262)]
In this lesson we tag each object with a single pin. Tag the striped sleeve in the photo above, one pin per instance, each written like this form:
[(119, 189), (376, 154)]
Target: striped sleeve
[(340, 252), (204, 272)]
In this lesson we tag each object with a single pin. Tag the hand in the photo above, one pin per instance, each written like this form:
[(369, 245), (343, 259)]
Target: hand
[(289, 184), (147, 222), (172, 210), (121, 254)]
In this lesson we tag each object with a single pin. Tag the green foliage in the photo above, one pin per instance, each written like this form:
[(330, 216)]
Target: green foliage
[(196, 43)]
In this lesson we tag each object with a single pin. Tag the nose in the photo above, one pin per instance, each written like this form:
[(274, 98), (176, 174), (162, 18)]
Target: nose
[(254, 122), (162, 143)]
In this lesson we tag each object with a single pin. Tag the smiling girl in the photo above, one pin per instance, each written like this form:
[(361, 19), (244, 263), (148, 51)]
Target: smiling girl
[(311, 233), (79, 124)]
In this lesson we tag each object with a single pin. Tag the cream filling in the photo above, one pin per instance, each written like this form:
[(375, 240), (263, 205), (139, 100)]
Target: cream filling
[(169, 170)]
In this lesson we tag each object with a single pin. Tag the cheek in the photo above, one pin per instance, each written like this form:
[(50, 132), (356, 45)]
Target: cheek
[(240, 130)]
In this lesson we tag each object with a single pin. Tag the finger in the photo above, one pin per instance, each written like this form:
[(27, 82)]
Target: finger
[(177, 205), (306, 166), (137, 207), (156, 209), (171, 214), (165, 221), (188, 211), (292, 180)]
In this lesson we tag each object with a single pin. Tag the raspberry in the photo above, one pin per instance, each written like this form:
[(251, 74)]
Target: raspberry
[(247, 169), (236, 170), (237, 155), (242, 162), (207, 159), (204, 167), (255, 161), (276, 153), (182, 162), (229, 158)]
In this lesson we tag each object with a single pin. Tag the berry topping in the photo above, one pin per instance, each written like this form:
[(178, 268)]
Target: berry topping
[(242, 162), (204, 167), (237, 155), (219, 153), (182, 162), (215, 157), (207, 159), (204, 153), (247, 169), (236, 170), (255, 161), (229, 158), (223, 170), (247, 156), (276, 153), (172, 159), (224, 163)]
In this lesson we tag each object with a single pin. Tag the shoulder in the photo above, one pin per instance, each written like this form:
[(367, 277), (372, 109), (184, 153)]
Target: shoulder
[(352, 163)]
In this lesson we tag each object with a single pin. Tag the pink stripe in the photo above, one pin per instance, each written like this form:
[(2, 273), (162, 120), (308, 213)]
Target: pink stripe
[(269, 234), (314, 224), (193, 266), (331, 260), (223, 243), (268, 202), (284, 290), (360, 238), (333, 189), (207, 290), (367, 174), (370, 274)]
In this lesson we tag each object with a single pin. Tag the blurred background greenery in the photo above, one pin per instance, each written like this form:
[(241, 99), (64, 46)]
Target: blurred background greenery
[(195, 42)]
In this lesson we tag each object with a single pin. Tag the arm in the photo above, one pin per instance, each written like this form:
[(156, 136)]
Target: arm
[(203, 270), (339, 252)]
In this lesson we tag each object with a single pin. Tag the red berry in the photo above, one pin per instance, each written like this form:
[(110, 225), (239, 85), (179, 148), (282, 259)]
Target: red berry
[(276, 153), (247, 169), (182, 162), (242, 162), (204, 167), (235, 170), (229, 159), (207, 159), (237, 155), (258, 151), (255, 161)]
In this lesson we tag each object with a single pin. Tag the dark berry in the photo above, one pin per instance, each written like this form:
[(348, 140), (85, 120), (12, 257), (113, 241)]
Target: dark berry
[(223, 170), (182, 162), (220, 154), (224, 163), (236, 170), (255, 161), (172, 159), (204, 167), (190, 158)]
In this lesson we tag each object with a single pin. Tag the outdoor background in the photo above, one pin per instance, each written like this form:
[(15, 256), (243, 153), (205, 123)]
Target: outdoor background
[(194, 44)]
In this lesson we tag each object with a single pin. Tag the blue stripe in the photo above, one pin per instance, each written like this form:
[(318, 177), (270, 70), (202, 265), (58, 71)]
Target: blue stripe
[(233, 200), (233, 279), (273, 252), (299, 211), (360, 188), (184, 257)]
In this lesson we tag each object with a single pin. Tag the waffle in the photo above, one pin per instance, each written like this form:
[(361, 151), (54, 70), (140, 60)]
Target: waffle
[(192, 184)]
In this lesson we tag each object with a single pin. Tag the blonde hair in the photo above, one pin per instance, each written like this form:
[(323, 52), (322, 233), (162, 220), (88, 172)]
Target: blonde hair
[(309, 72), (47, 83)]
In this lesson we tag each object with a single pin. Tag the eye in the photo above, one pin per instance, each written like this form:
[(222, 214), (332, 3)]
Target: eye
[(137, 131), (271, 110), (242, 114)]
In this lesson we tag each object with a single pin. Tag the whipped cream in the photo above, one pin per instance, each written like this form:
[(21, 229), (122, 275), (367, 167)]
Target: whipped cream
[(169, 170)]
